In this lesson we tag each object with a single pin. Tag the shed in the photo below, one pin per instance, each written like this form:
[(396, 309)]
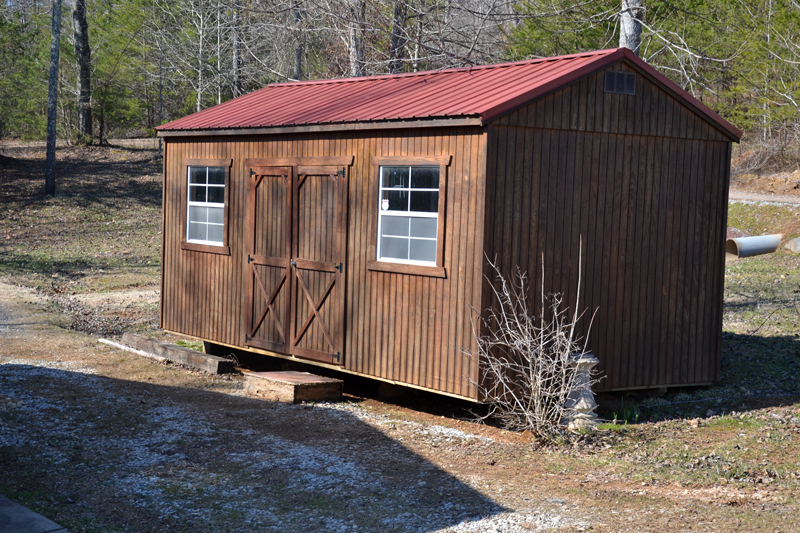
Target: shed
[(345, 222)]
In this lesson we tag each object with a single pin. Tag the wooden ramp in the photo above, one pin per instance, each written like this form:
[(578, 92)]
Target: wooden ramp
[(292, 387)]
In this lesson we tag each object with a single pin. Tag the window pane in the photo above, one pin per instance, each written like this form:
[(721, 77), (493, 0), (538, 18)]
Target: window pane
[(425, 178), (630, 84), (620, 82), (214, 233), (394, 226), (395, 177), (216, 175), (423, 227), (216, 215), (422, 250), (609, 82), (197, 232), (197, 174), (425, 202), (216, 195), (197, 193), (394, 248), (398, 200), (198, 214)]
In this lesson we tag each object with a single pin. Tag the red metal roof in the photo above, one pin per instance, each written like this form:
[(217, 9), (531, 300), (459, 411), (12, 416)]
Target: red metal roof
[(484, 92)]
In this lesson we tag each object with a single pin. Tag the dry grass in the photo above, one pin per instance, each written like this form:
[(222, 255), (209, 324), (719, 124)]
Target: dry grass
[(101, 440)]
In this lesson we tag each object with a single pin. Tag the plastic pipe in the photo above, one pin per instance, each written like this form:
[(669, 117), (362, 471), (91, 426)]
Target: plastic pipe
[(750, 246)]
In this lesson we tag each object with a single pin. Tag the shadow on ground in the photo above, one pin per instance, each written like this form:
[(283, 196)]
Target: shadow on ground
[(88, 174), (100, 454), (756, 372)]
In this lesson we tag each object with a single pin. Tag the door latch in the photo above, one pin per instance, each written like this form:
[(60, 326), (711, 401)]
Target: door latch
[(292, 262)]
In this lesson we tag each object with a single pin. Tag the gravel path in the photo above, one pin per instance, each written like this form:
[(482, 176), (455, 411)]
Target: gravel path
[(747, 196), (106, 441)]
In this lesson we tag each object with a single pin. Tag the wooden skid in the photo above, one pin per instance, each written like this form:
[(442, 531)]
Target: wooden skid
[(184, 356), (292, 387)]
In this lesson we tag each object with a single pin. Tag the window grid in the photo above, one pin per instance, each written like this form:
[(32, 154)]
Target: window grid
[(199, 220), (408, 213)]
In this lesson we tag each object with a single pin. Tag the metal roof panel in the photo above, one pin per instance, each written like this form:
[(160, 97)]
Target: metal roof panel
[(487, 91)]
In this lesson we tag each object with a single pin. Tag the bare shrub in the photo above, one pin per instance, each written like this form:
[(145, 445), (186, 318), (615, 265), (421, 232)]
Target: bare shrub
[(527, 362), (777, 153)]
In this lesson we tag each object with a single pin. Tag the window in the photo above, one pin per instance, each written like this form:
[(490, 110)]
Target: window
[(409, 209), (409, 214), (620, 82), (206, 205)]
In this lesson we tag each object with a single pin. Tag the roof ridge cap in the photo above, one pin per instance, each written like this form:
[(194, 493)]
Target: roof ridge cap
[(434, 72)]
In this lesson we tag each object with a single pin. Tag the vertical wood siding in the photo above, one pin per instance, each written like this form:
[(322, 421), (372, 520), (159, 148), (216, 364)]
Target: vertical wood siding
[(643, 182), (401, 327)]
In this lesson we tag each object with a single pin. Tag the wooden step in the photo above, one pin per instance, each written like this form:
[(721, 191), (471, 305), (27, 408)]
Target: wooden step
[(292, 387)]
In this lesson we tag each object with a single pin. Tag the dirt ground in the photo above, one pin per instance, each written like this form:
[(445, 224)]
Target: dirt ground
[(100, 440)]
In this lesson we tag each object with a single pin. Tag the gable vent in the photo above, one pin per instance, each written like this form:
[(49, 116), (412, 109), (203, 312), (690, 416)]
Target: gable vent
[(620, 82)]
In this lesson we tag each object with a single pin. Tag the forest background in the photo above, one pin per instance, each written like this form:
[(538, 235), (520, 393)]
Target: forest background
[(151, 61)]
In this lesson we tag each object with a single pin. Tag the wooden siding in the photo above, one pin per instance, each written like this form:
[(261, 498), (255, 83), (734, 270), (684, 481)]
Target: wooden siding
[(643, 183), (401, 327), (585, 106)]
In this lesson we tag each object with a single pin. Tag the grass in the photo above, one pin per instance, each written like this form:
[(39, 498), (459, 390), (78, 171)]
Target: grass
[(100, 232)]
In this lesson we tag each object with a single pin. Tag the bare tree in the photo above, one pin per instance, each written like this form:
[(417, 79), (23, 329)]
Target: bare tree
[(630, 27), (84, 62), (52, 102)]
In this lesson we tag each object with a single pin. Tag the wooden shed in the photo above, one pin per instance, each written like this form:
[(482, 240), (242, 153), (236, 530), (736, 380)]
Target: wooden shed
[(345, 222)]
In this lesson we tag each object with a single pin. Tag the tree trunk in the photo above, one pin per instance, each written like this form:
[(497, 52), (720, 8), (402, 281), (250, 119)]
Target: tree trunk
[(237, 53), (358, 60), (83, 58), (630, 28), (398, 42), (52, 102), (298, 48)]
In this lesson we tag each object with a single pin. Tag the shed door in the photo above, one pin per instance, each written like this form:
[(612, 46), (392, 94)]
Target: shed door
[(268, 258), (297, 294)]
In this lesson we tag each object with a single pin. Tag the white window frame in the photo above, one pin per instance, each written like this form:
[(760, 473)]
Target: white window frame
[(218, 205), (408, 213)]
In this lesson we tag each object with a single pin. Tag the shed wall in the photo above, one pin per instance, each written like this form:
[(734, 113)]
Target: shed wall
[(646, 192), (400, 327)]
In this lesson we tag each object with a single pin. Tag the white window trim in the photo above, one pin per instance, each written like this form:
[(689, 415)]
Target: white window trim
[(190, 203), (413, 214)]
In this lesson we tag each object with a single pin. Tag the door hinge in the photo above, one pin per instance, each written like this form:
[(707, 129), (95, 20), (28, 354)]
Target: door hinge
[(340, 173), (247, 338), (249, 259), (340, 267), (252, 172), (337, 356)]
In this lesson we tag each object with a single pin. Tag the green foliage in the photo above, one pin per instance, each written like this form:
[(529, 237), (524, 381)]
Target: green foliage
[(23, 78), (740, 58)]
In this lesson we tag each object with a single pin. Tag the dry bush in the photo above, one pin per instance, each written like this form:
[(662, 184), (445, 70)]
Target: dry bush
[(527, 362), (778, 153)]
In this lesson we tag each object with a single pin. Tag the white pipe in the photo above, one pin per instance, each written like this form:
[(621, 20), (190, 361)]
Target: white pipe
[(134, 350), (750, 246)]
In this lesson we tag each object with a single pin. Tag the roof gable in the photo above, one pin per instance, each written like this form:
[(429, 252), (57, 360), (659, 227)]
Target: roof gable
[(483, 92)]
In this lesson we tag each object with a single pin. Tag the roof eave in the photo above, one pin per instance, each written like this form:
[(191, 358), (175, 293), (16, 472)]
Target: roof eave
[(433, 122)]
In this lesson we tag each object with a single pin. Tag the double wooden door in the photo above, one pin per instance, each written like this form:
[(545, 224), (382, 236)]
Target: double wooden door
[(297, 216)]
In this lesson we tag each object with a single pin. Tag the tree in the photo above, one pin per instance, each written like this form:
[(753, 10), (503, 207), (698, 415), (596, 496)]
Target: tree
[(52, 102), (84, 63), (630, 26)]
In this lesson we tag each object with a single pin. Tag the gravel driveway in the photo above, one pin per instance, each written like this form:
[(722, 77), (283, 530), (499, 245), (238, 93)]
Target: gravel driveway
[(104, 441)]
